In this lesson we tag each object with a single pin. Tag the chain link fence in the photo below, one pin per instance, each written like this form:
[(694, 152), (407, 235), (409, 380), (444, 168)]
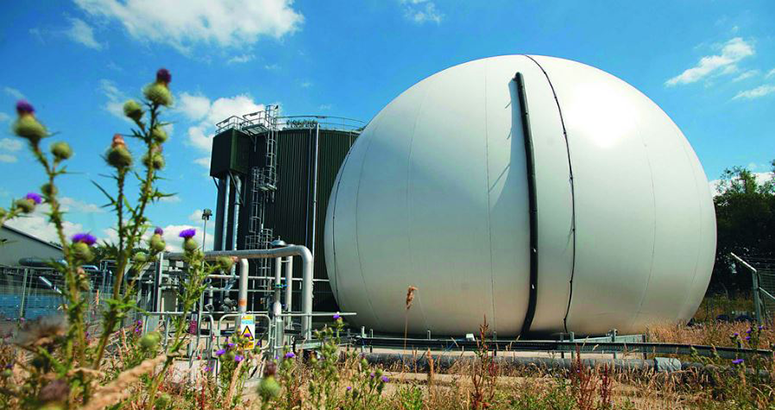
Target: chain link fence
[(29, 293)]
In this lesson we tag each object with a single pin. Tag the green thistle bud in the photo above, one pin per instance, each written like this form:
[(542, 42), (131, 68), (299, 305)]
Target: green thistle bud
[(25, 205), (268, 388), (159, 135), (190, 245), (119, 156), (49, 190), (140, 257), (7, 373), (224, 263), (61, 150), (157, 163), (3, 213), (158, 93), (150, 340), (163, 400), (82, 251), (133, 110), (27, 126), (157, 243)]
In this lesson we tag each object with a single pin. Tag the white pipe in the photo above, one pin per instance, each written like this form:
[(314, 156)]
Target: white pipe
[(277, 307), (307, 262), (242, 303), (288, 284)]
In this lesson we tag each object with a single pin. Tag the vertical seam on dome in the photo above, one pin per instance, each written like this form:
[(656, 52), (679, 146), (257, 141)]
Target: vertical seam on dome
[(357, 244), (572, 190), (530, 174), (408, 207), (654, 236), (487, 192)]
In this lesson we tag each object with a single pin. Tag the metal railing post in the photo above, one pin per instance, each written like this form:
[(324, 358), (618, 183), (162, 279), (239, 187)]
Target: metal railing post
[(755, 287), (24, 294)]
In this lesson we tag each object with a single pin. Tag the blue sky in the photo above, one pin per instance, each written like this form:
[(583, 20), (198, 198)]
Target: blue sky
[(709, 64)]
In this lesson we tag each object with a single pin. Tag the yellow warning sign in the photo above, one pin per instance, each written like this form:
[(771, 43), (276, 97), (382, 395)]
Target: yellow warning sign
[(247, 330), (246, 333)]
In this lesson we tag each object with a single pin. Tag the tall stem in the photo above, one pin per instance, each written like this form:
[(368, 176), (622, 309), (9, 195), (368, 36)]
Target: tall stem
[(135, 231)]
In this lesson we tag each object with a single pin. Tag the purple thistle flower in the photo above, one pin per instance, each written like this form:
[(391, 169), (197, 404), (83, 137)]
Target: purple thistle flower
[(230, 345), (9, 366), (290, 355), (761, 327), (337, 316), (349, 388), (24, 107), (371, 375), (163, 76), (84, 238), (220, 352), (748, 338), (384, 379), (238, 358), (34, 198), (737, 361), (208, 369), (158, 231), (749, 331), (735, 334), (187, 233)]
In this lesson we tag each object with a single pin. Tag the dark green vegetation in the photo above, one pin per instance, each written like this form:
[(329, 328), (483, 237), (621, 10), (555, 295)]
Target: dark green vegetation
[(745, 216)]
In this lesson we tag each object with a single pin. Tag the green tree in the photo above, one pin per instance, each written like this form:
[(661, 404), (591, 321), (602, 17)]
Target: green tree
[(745, 217)]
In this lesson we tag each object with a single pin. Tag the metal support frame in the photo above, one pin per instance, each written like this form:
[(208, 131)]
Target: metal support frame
[(289, 251), (757, 290)]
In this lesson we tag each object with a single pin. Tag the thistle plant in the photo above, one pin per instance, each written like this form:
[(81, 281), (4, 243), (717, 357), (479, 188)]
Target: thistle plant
[(66, 365)]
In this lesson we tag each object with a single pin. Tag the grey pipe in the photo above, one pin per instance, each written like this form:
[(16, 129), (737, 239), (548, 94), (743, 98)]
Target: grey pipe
[(237, 205), (315, 167), (220, 210), (225, 210), (307, 263), (420, 362)]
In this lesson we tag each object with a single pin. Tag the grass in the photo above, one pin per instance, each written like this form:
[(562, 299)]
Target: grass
[(338, 378)]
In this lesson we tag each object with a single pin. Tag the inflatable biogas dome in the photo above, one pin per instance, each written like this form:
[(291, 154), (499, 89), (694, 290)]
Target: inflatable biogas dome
[(542, 193)]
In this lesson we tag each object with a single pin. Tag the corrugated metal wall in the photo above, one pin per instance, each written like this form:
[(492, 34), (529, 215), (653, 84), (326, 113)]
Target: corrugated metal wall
[(290, 215)]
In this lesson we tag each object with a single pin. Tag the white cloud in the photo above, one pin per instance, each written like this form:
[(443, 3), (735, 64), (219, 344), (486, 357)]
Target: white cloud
[(306, 84), (170, 199), (757, 92), (14, 93), (241, 59), (82, 33), (201, 135), (195, 107), (37, 225), (196, 216), (204, 162), (325, 107), (8, 149), (272, 67), (770, 73), (761, 178), (4, 117), (116, 99), (421, 11), (746, 75), (732, 52), (69, 204), (184, 23)]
